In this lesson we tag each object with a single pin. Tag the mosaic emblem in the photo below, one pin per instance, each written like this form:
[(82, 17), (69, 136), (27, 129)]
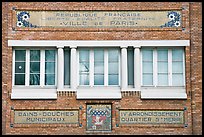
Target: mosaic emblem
[(23, 19), (174, 19), (99, 117)]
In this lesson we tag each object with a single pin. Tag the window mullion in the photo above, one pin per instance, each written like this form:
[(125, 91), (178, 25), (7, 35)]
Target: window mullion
[(42, 68), (13, 69), (105, 67), (91, 63), (155, 67), (170, 66), (27, 69), (184, 80)]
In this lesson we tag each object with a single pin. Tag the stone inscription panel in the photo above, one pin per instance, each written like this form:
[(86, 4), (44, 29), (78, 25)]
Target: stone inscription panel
[(151, 117), (99, 19), (40, 117)]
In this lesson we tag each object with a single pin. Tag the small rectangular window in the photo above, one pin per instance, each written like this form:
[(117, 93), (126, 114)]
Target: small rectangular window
[(98, 67), (34, 67), (130, 59), (177, 67), (84, 67), (66, 67), (147, 66), (162, 67), (49, 67), (20, 62), (113, 67)]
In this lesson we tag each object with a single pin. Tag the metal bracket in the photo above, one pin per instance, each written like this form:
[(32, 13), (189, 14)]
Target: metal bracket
[(80, 107), (11, 125), (183, 29), (13, 28), (13, 8)]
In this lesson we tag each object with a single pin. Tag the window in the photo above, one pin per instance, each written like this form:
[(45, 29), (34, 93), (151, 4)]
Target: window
[(35, 67), (20, 61), (147, 66), (84, 67), (177, 67), (113, 68), (92, 70), (162, 67), (66, 66), (98, 67), (130, 59), (49, 67)]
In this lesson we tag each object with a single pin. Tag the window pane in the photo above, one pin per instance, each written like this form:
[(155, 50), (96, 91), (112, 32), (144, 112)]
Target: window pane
[(177, 54), (49, 79), (113, 55), (162, 67), (162, 55), (34, 79), (66, 67), (84, 79), (83, 55), (99, 68), (147, 67), (147, 55), (147, 79), (112, 79), (177, 79), (177, 67), (35, 55), (98, 79), (113, 68), (130, 58), (98, 55), (84, 67), (19, 79), (49, 67), (49, 55), (19, 67), (20, 55), (163, 79), (34, 67)]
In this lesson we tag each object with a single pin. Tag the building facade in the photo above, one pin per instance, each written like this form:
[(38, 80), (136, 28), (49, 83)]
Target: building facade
[(101, 68)]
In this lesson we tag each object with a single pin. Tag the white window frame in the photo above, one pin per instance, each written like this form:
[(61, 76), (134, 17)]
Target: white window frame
[(28, 91), (155, 69), (67, 86), (113, 92), (169, 91), (91, 67)]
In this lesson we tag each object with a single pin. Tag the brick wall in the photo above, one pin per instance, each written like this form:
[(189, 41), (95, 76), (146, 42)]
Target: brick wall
[(196, 65), (192, 31)]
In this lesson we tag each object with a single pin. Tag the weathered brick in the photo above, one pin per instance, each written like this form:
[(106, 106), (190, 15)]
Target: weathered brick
[(192, 18)]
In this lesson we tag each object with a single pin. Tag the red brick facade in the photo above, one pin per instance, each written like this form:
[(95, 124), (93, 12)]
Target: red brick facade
[(192, 19)]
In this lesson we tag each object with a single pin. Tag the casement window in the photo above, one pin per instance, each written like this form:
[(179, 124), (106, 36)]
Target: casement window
[(163, 67), (20, 64), (35, 67), (130, 63), (98, 67), (66, 66), (84, 67)]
